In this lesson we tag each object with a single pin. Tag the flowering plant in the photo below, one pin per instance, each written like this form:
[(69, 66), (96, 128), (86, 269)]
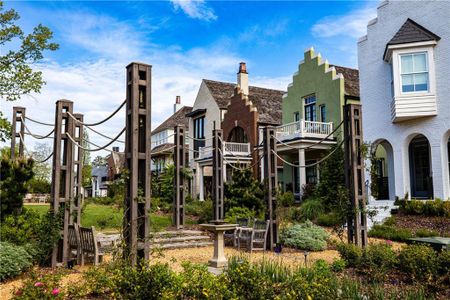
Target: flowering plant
[(40, 286)]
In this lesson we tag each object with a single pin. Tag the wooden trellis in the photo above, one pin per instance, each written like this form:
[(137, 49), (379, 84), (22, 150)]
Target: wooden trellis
[(137, 161), (217, 161), (62, 183), (354, 174), (78, 171), (179, 160), (18, 118), (270, 181)]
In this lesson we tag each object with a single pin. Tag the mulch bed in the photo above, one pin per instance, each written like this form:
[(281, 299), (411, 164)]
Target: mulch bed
[(416, 222)]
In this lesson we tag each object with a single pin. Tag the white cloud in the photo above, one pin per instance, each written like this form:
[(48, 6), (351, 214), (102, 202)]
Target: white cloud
[(352, 24), (195, 9)]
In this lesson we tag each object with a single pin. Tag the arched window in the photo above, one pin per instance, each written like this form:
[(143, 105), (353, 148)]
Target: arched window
[(420, 168), (237, 135)]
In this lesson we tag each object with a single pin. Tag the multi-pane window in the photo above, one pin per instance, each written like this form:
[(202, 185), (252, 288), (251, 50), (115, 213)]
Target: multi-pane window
[(323, 113), (296, 116), (310, 108), (414, 72), (199, 133)]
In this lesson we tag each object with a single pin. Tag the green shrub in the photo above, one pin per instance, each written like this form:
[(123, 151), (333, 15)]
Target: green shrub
[(426, 233), (350, 253), (201, 209), (328, 220), (13, 260), (239, 212), (286, 199), (419, 262), (41, 286), (306, 236), (444, 263), (199, 283), (377, 260), (311, 209), (429, 208), (21, 229), (390, 233), (338, 265)]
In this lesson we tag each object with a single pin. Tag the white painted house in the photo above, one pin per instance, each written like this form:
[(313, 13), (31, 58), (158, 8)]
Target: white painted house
[(405, 91)]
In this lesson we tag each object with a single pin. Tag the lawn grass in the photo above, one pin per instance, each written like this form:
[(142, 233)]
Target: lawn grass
[(108, 218)]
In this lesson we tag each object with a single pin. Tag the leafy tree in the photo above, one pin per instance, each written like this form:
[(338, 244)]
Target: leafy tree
[(42, 170), (244, 191), (86, 173), (99, 161), (14, 178), (16, 74), (85, 144)]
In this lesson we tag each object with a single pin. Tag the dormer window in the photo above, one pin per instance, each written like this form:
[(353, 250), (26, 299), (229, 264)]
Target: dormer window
[(414, 72), (411, 56)]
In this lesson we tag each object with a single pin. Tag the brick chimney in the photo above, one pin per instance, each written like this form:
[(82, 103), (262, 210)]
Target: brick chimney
[(177, 105), (242, 78)]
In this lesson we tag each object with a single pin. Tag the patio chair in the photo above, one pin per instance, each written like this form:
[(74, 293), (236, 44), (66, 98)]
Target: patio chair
[(234, 236), (254, 238)]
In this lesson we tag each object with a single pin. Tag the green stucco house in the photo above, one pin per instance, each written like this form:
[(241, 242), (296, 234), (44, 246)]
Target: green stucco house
[(312, 108)]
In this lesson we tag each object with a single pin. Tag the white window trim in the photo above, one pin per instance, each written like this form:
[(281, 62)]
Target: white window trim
[(396, 53)]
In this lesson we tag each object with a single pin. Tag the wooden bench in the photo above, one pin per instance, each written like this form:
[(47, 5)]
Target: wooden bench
[(74, 242), (254, 238), (89, 247)]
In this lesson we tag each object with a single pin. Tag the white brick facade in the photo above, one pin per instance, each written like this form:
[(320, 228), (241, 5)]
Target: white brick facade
[(376, 96)]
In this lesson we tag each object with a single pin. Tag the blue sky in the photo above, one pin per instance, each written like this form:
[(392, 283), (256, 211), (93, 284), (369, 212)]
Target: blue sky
[(185, 41)]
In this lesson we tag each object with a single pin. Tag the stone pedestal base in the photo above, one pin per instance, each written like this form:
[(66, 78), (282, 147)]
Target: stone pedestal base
[(218, 260)]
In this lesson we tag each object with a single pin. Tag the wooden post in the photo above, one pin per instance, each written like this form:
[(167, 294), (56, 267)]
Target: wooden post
[(270, 181), (62, 183), (179, 161), (137, 161), (78, 170), (217, 161), (354, 174), (18, 117)]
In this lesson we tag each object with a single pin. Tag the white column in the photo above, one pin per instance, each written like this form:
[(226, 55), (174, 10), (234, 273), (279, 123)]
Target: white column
[(437, 168), (201, 194), (224, 172), (302, 171)]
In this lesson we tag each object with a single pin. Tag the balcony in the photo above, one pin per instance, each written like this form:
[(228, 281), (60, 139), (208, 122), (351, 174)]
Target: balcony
[(229, 149), (304, 129)]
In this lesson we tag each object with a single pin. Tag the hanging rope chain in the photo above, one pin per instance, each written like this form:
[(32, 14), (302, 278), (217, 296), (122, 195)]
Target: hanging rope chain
[(197, 139), (36, 136), (43, 161), (310, 165), (102, 121), (161, 151), (96, 131), (312, 145), (39, 122), (98, 149)]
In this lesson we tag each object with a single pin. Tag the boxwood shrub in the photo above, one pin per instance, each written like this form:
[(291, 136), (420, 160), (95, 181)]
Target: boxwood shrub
[(305, 236)]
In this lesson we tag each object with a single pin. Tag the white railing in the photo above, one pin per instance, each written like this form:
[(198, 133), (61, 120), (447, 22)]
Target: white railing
[(236, 149), (304, 128)]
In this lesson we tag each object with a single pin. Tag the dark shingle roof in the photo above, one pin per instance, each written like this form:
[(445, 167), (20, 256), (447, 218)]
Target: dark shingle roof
[(351, 80), (178, 118), (411, 32), (266, 101)]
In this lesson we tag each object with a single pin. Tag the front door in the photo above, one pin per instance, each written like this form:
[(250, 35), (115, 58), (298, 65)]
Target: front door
[(420, 168)]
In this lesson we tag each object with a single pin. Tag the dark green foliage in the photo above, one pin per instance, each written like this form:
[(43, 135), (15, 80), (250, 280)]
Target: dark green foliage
[(5, 129), (14, 178), (244, 191), (21, 229), (338, 265), (390, 233), (239, 212), (162, 185), (444, 263), (351, 253), (201, 209), (419, 262), (13, 260), (39, 186), (306, 236), (41, 286), (377, 260), (432, 208), (328, 220), (311, 209), (286, 199)]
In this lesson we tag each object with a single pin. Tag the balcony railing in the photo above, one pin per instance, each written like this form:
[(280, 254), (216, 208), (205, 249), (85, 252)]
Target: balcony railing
[(236, 149), (304, 128), (229, 148)]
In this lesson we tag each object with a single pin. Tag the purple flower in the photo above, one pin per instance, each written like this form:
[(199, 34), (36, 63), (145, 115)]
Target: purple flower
[(55, 292), (38, 284)]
